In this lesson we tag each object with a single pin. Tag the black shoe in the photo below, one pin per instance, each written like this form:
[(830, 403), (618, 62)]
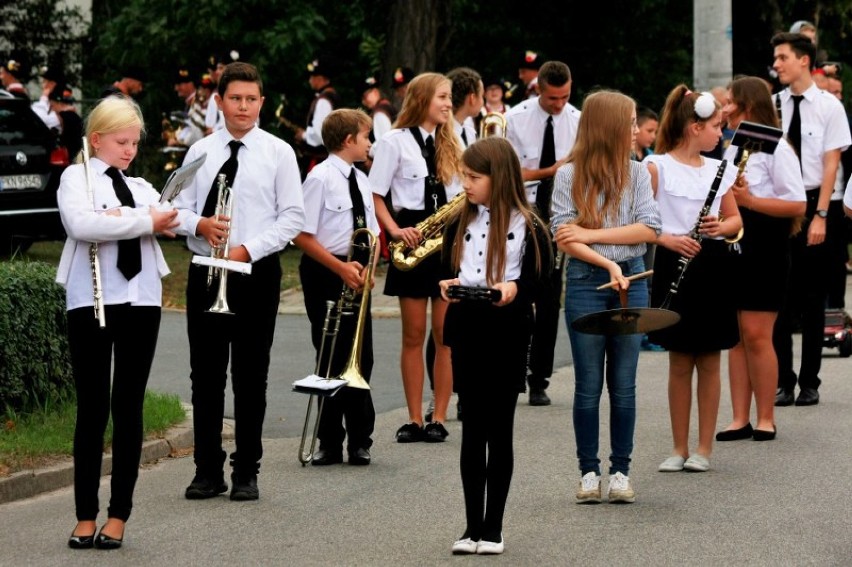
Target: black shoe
[(807, 397), (360, 457), (244, 487), (81, 542), (203, 487), (324, 458), (735, 434), (538, 397), (783, 398), (409, 433), (763, 435), (103, 541), (435, 432)]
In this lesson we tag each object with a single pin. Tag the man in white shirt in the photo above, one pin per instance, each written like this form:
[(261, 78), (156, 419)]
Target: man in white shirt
[(325, 100), (543, 130), (816, 125)]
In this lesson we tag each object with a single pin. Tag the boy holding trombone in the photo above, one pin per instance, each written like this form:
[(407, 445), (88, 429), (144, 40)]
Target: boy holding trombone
[(267, 211), (336, 267)]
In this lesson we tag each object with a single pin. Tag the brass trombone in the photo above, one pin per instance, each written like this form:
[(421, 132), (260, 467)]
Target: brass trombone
[(351, 373)]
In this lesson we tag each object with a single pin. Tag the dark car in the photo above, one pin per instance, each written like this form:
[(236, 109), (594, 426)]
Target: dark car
[(31, 164)]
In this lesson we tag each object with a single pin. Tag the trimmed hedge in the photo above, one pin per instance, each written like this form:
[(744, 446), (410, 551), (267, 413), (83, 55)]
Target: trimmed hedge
[(35, 364)]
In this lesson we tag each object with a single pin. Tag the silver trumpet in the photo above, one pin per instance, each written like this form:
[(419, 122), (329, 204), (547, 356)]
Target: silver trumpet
[(218, 264)]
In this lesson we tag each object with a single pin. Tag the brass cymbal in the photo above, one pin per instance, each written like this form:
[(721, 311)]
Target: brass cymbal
[(625, 321)]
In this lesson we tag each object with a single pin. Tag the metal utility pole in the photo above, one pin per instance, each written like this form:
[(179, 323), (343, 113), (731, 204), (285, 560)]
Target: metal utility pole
[(712, 44)]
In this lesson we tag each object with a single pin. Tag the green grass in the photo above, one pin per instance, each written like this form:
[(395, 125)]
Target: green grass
[(46, 434), (178, 258)]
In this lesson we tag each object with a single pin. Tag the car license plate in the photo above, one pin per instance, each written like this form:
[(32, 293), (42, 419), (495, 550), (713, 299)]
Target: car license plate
[(9, 182)]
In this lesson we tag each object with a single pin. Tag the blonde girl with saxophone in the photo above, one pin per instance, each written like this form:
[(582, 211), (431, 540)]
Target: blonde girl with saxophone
[(417, 164)]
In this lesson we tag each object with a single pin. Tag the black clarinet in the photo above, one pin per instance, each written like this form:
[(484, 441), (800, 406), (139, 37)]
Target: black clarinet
[(683, 261)]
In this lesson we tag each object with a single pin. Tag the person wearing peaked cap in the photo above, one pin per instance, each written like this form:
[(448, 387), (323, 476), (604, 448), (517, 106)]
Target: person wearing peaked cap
[(399, 82), (495, 92), (193, 128), (50, 77), (132, 83), (13, 72), (321, 72), (381, 110), (214, 119), (185, 86), (61, 101), (528, 67)]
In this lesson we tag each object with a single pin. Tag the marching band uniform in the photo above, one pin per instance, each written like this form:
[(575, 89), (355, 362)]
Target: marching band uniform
[(331, 216), (465, 132)]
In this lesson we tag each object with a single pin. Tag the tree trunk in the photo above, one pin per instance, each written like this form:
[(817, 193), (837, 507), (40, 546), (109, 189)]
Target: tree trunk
[(412, 39)]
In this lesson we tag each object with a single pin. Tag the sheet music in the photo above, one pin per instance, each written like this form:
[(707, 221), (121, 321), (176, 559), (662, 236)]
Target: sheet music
[(314, 382), (179, 178)]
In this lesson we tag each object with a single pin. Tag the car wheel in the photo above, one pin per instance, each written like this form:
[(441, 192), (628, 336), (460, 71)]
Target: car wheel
[(846, 346)]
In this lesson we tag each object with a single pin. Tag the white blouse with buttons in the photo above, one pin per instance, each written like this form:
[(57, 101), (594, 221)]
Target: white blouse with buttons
[(472, 271)]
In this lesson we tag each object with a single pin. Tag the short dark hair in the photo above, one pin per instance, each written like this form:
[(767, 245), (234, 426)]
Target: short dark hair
[(465, 82), (239, 71), (643, 114), (554, 73), (340, 124), (800, 44)]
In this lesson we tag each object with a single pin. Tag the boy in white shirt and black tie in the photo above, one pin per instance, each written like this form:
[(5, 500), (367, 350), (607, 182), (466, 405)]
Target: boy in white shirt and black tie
[(338, 201)]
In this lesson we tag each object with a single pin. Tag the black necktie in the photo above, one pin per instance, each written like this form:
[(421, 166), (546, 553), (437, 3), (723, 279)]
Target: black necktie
[(129, 251), (464, 137), (229, 168), (548, 158), (359, 218), (794, 131)]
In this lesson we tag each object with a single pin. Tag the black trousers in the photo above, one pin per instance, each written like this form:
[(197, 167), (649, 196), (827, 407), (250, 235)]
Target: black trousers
[(129, 341), (543, 344), (355, 405), (244, 339), (805, 301), (837, 240)]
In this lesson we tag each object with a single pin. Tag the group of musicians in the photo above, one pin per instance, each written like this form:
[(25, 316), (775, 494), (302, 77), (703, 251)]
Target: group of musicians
[(415, 172)]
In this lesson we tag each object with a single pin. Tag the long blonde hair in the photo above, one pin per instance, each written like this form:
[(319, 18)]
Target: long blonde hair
[(601, 156), (496, 158), (415, 111)]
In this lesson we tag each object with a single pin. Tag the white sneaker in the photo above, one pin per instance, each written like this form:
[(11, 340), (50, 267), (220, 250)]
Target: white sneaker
[(484, 547), (465, 546), (697, 463), (590, 489), (619, 489), (672, 464)]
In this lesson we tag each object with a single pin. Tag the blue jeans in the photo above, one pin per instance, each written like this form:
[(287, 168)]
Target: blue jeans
[(590, 352)]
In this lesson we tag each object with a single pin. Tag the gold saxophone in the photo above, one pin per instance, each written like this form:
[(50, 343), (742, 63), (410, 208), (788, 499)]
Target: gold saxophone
[(432, 235)]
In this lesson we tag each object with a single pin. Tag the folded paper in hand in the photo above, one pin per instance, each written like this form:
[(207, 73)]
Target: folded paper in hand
[(318, 383), (179, 179)]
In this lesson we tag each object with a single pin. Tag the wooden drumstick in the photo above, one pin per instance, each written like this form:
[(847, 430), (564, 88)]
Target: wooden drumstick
[(629, 278)]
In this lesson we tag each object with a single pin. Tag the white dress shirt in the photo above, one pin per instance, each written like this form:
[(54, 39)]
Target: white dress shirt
[(824, 128), (473, 266), (84, 222), (399, 167), (42, 109), (214, 119), (313, 133), (525, 124), (682, 190), (772, 176), (469, 132), (268, 210), (328, 205)]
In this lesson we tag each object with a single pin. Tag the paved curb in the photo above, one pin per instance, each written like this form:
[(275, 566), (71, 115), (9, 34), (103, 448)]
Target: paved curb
[(26, 484)]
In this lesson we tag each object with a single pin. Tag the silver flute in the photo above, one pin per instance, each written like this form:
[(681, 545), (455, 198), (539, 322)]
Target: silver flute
[(97, 289)]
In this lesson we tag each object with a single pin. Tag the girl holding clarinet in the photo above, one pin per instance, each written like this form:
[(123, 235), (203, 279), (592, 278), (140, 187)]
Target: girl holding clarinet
[(698, 211)]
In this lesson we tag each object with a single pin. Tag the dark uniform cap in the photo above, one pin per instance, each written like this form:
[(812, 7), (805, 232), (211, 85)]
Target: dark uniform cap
[(52, 74), (496, 82), (530, 60), (16, 66), (183, 75), (61, 93), (402, 76), (374, 81), (322, 66), (206, 81), (223, 57), (135, 72)]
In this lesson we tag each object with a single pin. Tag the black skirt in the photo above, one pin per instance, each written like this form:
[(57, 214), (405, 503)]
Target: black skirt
[(422, 280), (704, 301), (764, 265)]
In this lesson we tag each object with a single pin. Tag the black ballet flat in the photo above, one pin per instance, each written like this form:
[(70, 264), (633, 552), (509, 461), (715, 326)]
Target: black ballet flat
[(81, 542), (763, 435), (735, 434), (103, 541)]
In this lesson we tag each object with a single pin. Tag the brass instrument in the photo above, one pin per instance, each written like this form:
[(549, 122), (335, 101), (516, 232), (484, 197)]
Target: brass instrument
[(170, 124), (432, 235), (217, 263), (492, 124), (97, 287), (351, 373)]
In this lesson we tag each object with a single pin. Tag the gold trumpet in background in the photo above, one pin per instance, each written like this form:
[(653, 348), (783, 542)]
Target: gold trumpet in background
[(493, 124), (351, 375)]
